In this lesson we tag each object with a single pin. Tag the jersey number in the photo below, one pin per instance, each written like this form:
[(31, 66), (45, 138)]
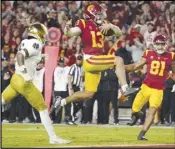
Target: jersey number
[(35, 46), (157, 68), (100, 42)]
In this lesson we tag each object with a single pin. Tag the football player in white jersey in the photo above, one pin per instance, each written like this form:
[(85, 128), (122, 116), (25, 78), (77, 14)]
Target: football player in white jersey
[(27, 57)]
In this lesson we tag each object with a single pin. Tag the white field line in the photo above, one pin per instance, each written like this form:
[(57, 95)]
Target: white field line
[(92, 125), (77, 133), (123, 145)]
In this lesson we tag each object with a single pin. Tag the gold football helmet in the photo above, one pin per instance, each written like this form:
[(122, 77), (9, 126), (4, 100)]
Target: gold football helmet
[(38, 30)]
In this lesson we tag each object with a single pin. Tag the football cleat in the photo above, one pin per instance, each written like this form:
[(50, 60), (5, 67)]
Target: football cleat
[(130, 91), (59, 140), (140, 137), (135, 117), (56, 105)]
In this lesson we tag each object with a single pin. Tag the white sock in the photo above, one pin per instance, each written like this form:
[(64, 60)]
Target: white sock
[(46, 121), (124, 87), (63, 102), (3, 101)]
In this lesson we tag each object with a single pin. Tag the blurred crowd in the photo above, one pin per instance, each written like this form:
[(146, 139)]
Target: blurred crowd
[(139, 21)]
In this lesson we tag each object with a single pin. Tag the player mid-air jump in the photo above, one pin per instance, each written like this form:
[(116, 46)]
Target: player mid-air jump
[(92, 30)]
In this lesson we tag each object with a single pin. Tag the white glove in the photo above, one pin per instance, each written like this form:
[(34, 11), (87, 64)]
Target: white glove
[(27, 77), (173, 89)]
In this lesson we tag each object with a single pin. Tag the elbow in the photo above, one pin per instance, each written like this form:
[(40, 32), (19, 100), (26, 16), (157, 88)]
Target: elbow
[(19, 56)]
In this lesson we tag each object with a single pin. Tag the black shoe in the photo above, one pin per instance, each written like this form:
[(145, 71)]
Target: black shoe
[(166, 123), (70, 123), (135, 117), (130, 91), (56, 105), (173, 124), (75, 118), (141, 136), (12, 121)]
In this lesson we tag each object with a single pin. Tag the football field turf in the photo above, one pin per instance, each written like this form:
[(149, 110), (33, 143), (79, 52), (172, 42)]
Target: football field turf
[(34, 135)]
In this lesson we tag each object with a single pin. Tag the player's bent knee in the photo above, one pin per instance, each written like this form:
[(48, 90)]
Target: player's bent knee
[(41, 107), (89, 94), (136, 108), (119, 59)]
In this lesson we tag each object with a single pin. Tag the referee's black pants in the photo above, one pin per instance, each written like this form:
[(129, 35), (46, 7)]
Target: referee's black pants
[(104, 100), (77, 105), (58, 115)]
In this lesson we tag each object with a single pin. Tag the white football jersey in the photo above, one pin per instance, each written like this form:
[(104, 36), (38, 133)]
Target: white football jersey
[(34, 47)]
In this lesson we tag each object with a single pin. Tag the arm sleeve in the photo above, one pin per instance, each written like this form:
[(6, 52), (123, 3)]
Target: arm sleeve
[(145, 54)]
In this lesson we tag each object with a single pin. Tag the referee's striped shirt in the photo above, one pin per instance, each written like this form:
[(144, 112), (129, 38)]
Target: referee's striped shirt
[(76, 73)]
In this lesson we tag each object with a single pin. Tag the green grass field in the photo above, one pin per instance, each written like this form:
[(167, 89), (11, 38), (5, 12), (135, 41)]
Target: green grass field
[(34, 135)]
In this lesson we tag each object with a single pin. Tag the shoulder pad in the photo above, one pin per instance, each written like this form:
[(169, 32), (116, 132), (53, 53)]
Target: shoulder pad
[(82, 21), (146, 52)]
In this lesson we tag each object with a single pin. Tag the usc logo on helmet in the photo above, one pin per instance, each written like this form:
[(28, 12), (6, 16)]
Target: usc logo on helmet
[(90, 8)]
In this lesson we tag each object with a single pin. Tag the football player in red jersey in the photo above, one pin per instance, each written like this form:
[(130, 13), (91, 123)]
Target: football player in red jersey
[(92, 30), (158, 63)]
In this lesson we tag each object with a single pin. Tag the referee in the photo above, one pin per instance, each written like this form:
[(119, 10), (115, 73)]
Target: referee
[(75, 78)]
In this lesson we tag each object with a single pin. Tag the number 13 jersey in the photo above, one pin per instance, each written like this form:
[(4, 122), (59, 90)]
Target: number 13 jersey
[(92, 38), (157, 68)]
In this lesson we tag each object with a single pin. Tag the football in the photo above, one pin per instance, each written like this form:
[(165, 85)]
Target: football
[(109, 33)]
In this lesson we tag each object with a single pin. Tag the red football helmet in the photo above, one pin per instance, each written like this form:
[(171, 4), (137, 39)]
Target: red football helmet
[(160, 44), (94, 12)]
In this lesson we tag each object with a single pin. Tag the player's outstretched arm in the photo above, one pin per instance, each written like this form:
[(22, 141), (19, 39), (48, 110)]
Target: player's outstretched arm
[(109, 26), (136, 66), (71, 31)]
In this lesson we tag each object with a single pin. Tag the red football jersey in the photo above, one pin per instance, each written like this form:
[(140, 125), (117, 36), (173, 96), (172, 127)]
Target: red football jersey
[(157, 68), (92, 38)]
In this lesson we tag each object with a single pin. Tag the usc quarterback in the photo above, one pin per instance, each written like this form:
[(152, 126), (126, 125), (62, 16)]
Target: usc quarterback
[(92, 30), (159, 62), (27, 58)]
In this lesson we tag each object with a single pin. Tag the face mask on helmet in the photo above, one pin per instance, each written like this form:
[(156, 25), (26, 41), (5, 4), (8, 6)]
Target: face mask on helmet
[(99, 18), (160, 45), (94, 12)]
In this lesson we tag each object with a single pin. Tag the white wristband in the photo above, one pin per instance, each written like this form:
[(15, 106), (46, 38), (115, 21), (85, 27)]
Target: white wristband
[(21, 68)]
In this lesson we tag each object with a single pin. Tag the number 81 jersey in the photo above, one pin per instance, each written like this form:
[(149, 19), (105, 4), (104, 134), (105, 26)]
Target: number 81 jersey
[(92, 38), (157, 68)]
